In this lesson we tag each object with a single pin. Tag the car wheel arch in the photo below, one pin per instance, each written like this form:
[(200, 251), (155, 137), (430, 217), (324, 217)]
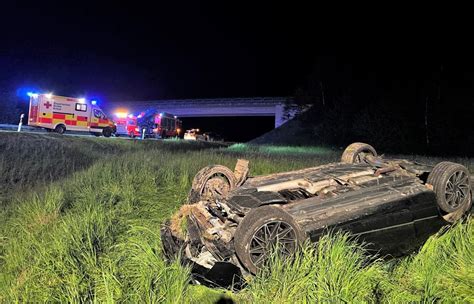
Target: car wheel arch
[(60, 128)]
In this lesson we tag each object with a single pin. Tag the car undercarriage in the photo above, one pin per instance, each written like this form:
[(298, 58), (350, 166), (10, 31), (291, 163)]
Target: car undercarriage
[(232, 222)]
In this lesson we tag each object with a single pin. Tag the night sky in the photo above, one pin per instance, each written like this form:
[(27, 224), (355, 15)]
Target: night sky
[(206, 49), (185, 50), (193, 49)]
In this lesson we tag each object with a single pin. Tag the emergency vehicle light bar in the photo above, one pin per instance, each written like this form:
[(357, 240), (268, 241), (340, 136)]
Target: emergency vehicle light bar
[(121, 115)]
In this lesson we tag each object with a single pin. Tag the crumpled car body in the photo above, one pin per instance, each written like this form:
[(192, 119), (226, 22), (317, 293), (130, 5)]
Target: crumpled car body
[(232, 222)]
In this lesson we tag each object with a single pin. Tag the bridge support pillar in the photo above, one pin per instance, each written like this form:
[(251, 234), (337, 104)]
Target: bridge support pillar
[(282, 116)]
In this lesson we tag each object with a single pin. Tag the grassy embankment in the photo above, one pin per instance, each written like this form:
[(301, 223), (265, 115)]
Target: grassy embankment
[(80, 219)]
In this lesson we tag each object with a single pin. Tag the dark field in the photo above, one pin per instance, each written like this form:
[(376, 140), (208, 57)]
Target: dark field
[(80, 220)]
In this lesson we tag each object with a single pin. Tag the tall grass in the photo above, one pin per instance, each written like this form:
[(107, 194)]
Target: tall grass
[(443, 270), (28, 160), (335, 270), (91, 234), (96, 231)]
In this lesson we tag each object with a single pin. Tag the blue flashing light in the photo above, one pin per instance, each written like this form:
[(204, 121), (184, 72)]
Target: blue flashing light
[(26, 92), (30, 94), (94, 102)]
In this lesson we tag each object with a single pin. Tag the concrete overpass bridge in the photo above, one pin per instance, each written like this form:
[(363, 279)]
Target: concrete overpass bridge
[(215, 107)]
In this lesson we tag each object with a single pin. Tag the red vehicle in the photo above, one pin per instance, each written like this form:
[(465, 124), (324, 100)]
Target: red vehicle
[(126, 124), (159, 125)]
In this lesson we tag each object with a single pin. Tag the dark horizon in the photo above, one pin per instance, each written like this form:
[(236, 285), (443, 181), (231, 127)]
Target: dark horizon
[(202, 50), (414, 71)]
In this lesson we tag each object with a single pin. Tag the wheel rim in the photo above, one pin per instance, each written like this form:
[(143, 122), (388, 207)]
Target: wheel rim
[(457, 189), (266, 238), (216, 186)]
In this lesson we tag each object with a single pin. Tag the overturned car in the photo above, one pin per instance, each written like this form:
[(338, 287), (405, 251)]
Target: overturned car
[(232, 222)]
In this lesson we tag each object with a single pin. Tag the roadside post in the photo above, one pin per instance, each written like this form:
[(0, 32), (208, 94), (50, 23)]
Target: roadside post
[(21, 122), (143, 133)]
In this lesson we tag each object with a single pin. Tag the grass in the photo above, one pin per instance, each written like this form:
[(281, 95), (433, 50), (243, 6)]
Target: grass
[(281, 150), (335, 270), (88, 231), (443, 270)]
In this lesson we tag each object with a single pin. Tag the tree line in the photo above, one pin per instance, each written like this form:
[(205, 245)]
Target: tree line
[(428, 110)]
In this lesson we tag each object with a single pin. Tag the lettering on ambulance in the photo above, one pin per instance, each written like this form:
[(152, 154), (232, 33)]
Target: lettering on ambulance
[(61, 112), (62, 107)]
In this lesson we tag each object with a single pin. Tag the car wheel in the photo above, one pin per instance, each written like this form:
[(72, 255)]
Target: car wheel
[(212, 182), (107, 132), (452, 187), (132, 135), (356, 152), (259, 233), (60, 129), (458, 214)]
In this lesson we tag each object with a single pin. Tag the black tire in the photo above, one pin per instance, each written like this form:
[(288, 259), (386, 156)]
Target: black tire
[(212, 182), (96, 134), (355, 153), (107, 132), (60, 129), (249, 233), (459, 213), (452, 186)]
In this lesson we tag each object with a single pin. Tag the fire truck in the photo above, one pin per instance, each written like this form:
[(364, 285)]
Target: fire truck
[(126, 124), (159, 125), (61, 114)]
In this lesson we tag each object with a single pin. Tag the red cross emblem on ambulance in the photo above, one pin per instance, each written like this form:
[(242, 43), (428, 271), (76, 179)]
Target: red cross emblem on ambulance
[(47, 105)]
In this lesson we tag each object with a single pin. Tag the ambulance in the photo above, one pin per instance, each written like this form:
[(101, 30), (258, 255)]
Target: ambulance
[(61, 114)]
